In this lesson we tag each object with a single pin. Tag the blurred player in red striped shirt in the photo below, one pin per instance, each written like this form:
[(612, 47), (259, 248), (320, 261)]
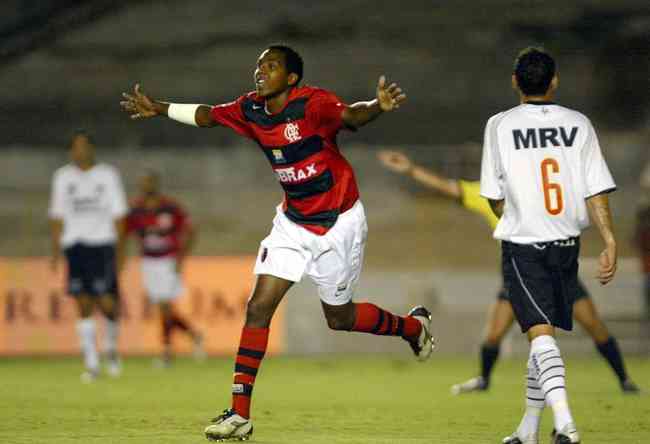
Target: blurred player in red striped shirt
[(166, 237), (319, 229)]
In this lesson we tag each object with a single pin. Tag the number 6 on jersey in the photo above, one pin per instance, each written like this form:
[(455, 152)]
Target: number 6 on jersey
[(556, 207)]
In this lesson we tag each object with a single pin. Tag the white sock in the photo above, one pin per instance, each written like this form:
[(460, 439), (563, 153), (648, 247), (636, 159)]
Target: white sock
[(529, 425), (86, 331), (112, 333), (549, 366)]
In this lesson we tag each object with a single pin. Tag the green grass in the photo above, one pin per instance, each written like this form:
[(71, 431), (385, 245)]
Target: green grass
[(332, 399)]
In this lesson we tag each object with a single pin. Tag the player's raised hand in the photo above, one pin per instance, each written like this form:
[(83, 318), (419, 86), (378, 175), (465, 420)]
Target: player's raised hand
[(607, 265), (138, 105), (395, 161), (390, 97)]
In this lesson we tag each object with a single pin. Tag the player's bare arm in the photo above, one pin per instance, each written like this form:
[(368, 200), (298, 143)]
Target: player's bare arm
[(389, 98), (187, 244), (497, 207), (56, 228), (120, 245), (398, 162), (141, 106), (601, 215)]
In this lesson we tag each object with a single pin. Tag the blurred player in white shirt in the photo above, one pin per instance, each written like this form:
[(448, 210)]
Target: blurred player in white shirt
[(542, 171), (87, 210)]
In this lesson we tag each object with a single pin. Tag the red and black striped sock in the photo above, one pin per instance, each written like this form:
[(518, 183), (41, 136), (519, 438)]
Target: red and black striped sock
[(252, 347), (372, 319)]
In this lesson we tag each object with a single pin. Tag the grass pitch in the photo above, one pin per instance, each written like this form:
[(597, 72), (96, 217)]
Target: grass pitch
[(332, 399)]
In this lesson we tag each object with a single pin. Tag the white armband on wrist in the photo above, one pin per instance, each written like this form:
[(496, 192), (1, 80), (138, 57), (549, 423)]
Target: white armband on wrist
[(184, 113)]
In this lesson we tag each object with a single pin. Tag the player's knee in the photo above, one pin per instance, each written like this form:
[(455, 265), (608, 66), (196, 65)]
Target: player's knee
[(340, 322), (85, 311), (597, 330), (109, 309), (112, 315), (167, 322), (165, 309), (493, 339), (166, 318), (258, 314), (84, 306)]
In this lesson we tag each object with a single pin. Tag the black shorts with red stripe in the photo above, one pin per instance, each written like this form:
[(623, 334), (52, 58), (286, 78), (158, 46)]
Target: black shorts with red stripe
[(541, 281)]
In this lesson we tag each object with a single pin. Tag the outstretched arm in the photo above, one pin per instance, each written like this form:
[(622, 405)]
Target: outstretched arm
[(141, 106), (389, 98), (400, 163), (601, 215)]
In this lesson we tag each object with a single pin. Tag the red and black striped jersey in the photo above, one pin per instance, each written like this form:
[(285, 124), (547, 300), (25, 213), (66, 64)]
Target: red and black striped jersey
[(300, 144), (158, 229)]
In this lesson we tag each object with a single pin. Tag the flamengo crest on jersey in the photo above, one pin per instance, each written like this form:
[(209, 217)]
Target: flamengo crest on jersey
[(544, 160), (292, 132), (300, 144)]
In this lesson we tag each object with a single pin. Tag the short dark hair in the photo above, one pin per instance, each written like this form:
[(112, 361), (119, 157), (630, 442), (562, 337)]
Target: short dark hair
[(292, 60), (81, 132), (534, 69)]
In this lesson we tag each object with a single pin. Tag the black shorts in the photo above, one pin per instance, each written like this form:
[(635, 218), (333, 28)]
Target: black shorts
[(541, 281), (582, 293), (91, 270)]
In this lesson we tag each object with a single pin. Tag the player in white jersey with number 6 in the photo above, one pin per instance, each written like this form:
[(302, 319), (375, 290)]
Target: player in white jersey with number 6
[(543, 172)]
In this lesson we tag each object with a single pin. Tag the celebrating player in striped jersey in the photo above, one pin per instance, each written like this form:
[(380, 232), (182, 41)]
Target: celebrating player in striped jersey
[(319, 230), (166, 237), (543, 172), (500, 314)]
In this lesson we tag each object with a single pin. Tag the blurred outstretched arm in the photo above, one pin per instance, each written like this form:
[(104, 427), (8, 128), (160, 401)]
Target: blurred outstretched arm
[(398, 162)]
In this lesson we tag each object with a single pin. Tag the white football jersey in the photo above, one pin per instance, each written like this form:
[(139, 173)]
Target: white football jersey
[(544, 160), (88, 202)]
